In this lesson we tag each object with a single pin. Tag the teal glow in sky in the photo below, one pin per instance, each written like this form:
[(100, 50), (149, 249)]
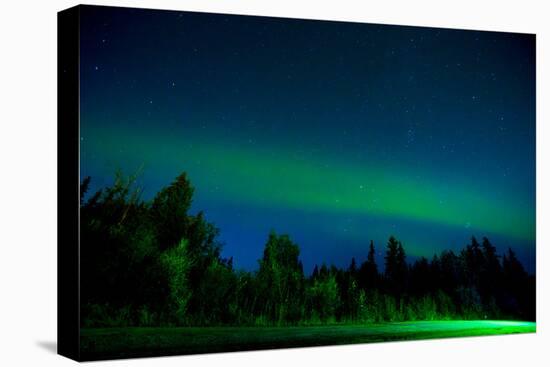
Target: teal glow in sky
[(335, 133)]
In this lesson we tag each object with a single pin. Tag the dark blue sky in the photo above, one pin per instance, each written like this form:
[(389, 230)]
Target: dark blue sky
[(335, 133)]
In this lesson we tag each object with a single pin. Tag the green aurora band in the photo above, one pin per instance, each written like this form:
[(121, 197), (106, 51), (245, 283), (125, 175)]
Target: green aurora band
[(271, 176)]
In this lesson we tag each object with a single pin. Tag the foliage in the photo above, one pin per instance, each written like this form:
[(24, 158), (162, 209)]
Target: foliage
[(153, 263), (176, 263), (323, 298), (281, 280)]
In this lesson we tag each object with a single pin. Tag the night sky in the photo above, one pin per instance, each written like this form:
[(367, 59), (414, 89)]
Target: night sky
[(334, 133)]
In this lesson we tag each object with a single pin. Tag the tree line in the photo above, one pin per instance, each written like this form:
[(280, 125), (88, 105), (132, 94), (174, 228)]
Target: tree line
[(152, 263)]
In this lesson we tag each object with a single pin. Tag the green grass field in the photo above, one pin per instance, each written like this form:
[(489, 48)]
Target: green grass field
[(141, 342)]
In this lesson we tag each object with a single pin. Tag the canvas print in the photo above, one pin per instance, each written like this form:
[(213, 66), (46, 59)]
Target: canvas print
[(257, 183)]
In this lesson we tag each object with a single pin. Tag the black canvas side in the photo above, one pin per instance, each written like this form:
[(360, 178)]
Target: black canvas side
[(68, 318)]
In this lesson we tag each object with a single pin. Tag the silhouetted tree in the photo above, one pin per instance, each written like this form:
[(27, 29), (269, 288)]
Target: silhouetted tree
[(169, 212), (396, 268), (420, 277), (472, 259), (519, 297), (449, 275), (368, 272), (84, 186), (323, 298), (353, 268), (490, 277), (153, 263), (315, 273), (281, 280)]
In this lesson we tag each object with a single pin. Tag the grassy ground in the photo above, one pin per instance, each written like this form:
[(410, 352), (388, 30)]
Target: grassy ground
[(141, 342)]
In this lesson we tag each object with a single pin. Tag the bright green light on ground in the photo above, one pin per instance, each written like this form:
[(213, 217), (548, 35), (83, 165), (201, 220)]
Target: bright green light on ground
[(510, 323)]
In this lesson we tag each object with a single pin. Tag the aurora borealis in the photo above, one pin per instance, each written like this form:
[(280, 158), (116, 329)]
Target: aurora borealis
[(335, 133)]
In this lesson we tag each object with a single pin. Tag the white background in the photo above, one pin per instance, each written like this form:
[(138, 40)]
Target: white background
[(28, 182)]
